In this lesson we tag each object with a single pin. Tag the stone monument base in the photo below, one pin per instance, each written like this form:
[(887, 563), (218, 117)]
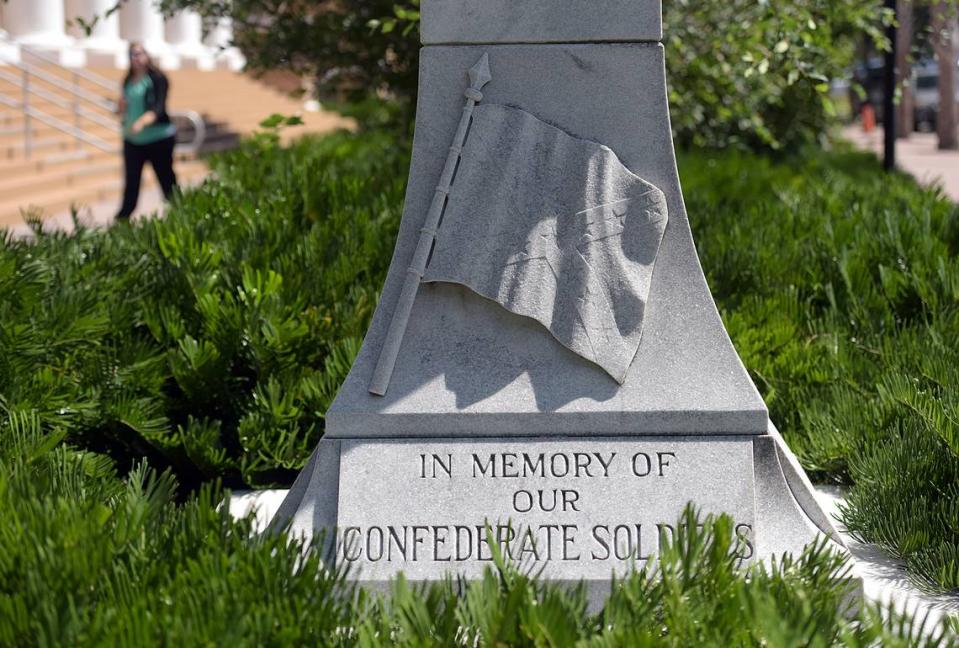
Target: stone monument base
[(546, 372), (580, 509)]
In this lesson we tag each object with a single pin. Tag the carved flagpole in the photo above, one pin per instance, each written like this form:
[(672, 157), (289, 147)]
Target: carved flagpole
[(479, 76)]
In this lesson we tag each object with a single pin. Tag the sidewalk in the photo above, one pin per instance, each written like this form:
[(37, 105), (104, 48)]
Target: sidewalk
[(97, 215), (917, 156)]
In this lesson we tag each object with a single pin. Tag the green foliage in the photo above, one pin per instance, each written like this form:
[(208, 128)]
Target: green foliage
[(907, 502), (277, 121), (756, 74), (211, 341), (839, 286), (352, 50), (695, 595), (88, 559)]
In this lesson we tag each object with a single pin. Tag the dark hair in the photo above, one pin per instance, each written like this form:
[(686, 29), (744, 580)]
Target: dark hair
[(151, 67)]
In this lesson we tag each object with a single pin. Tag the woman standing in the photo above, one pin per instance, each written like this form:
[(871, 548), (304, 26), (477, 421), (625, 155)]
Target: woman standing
[(148, 134)]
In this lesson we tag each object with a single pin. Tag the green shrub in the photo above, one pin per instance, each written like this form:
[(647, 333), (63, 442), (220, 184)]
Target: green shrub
[(756, 75), (907, 501), (839, 285), (211, 341), (88, 559)]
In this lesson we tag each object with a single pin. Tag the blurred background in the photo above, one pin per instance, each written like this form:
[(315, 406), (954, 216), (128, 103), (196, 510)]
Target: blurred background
[(61, 64), (760, 76)]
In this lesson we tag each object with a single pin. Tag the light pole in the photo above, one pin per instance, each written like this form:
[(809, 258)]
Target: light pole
[(889, 94)]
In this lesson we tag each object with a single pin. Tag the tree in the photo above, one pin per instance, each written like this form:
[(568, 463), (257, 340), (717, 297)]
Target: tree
[(943, 31), (742, 73), (757, 74), (342, 45)]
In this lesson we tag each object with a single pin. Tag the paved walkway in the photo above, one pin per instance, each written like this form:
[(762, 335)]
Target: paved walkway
[(97, 215), (884, 578), (917, 156)]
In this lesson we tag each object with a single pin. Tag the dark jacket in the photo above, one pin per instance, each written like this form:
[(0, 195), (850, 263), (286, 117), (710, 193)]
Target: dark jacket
[(156, 96)]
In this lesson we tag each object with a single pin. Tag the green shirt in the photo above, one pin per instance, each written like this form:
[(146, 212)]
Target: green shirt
[(135, 94)]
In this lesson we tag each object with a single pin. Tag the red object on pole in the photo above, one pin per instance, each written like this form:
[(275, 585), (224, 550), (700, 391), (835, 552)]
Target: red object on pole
[(868, 116)]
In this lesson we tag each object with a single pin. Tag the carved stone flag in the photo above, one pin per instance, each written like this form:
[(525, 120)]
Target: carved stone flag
[(555, 228)]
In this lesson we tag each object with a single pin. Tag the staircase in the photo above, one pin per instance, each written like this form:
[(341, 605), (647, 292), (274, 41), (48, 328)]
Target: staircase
[(60, 141)]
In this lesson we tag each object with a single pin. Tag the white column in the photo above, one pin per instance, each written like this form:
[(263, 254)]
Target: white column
[(185, 29), (141, 21), (103, 45), (35, 22), (9, 51), (40, 25), (184, 33), (219, 39)]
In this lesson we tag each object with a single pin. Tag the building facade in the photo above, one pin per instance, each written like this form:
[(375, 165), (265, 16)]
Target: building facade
[(56, 27)]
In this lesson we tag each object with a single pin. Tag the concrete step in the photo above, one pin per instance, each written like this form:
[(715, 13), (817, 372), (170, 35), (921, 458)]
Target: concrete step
[(18, 150), (86, 191), (12, 137), (223, 142), (61, 114), (59, 163), (26, 186), (28, 182), (52, 162), (59, 173), (11, 134), (15, 130), (40, 88)]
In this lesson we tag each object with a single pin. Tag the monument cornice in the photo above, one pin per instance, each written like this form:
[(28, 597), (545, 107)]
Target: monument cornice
[(465, 22)]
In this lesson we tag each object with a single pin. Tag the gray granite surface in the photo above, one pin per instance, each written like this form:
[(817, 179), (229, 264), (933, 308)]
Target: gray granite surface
[(539, 21), (885, 579), (466, 369), (553, 228), (578, 508), (311, 506), (421, 506), (784, 524), (487, 420)]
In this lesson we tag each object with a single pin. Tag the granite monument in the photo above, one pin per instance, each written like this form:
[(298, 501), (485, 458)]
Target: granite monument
[(546, 368)]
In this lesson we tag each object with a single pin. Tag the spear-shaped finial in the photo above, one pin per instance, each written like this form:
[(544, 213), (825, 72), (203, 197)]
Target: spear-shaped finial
[(479, 76)]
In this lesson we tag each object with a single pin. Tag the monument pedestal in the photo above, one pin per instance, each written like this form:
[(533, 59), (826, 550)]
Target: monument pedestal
[(487, 418), (577, 508)]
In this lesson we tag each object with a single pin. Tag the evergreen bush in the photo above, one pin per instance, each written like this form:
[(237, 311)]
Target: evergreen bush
[(209, 344), (839, 285), (88, 559), (213, 340)]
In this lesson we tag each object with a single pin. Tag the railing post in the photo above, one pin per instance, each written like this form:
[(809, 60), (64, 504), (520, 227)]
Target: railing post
[(27, 125), (76, 105)]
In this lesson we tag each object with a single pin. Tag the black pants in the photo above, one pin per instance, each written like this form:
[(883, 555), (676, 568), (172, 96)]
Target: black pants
[(160, 156)]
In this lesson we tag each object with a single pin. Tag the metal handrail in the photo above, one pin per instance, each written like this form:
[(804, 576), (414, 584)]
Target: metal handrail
[(199, 130), (192, 146), (79, 112), (76, 97), (58, 124), (96, 79), (73, 89), (62, 103)]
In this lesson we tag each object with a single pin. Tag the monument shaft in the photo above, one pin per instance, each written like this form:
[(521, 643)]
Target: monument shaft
[(493, 430)]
